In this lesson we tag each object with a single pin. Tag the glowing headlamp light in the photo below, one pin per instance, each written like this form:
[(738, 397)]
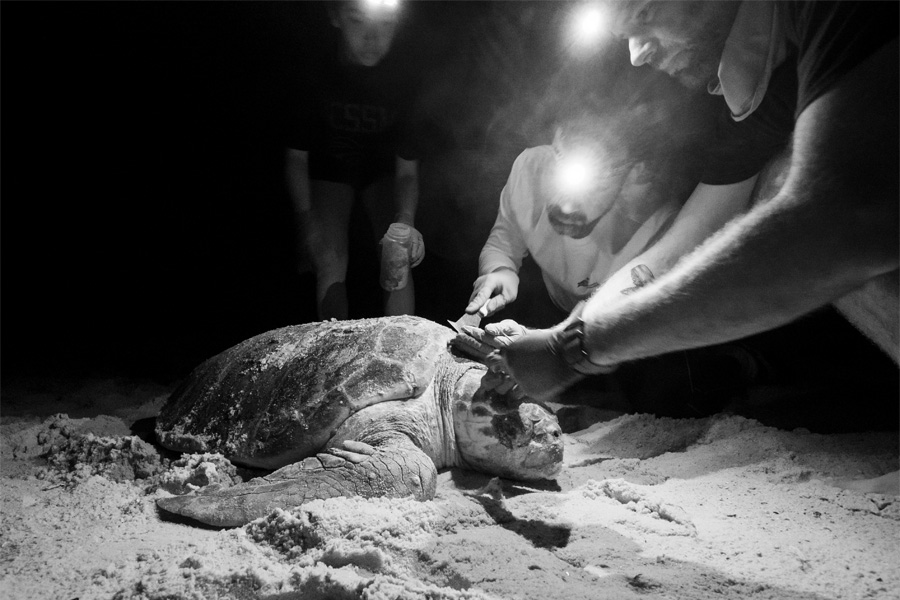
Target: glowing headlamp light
[(382, 5), (588, 24), (575, 173)]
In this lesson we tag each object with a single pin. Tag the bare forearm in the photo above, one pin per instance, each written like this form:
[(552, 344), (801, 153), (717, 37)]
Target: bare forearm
[(406, 198), (406, 190), (707, 210), (762, 271), (831, 228)]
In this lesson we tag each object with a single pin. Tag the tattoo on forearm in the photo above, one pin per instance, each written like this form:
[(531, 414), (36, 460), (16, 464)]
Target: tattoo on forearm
[(641, 275)]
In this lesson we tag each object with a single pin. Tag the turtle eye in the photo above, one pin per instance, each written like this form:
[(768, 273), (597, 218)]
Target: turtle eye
[(544, 428)]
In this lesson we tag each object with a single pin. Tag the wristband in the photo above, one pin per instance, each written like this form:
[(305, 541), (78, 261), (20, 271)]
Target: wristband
[(569, 346)]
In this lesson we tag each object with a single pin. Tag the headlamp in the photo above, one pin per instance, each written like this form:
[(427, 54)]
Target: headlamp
[(576, 173), (588, 22), (382, 5)]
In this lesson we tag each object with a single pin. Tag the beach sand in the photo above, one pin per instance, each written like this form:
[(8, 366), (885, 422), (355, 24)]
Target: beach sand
[(646, 507)]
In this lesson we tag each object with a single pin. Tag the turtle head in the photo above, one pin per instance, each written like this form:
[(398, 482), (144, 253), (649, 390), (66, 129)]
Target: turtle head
[(498, 435)]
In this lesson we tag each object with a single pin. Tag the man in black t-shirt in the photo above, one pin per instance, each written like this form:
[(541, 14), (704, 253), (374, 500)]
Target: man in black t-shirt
[(349, 139), (759, 73), (818, 81)]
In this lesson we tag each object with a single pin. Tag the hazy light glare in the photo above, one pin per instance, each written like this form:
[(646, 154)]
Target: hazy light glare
[(575, 174), (589, 21), (389, 5)]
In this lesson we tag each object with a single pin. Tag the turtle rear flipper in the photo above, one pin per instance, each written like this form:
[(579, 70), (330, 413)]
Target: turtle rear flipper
[(394, 469)]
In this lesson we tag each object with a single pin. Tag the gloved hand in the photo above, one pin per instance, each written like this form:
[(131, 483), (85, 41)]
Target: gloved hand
[(497, 335), (482, 346), (529, 356), (493, 291)]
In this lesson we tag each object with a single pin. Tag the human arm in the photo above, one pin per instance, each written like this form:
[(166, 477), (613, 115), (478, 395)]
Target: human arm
[(406, 190), (492, 291), (500, 259), (298, 188), (832, 227), (406, 201), (707, 209)]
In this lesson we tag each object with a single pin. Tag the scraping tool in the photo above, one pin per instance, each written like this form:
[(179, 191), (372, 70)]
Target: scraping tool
[(466, 343), (466, 319)]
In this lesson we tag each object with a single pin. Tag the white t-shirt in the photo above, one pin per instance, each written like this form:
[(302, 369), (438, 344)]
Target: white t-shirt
[(572, 269)]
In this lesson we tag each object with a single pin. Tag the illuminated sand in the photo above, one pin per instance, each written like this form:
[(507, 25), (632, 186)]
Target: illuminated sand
[(647, 507)]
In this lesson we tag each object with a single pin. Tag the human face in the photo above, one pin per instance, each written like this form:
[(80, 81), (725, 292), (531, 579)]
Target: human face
[(684, 39), (367, 29), (586, 184)]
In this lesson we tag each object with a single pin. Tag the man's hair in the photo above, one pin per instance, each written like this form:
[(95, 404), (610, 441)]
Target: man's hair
[(599, 130)]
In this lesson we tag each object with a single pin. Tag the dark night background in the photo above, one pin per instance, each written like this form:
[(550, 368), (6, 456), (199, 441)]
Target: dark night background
[(144, 223), (144, 220)]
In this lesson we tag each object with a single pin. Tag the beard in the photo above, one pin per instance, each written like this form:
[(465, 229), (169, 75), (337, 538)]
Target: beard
[(701, 65), (694, 61), (699, 75), (574, 224)]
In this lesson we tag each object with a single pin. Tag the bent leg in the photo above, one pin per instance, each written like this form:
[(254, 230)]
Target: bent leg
[(329, 245), (873, 309)]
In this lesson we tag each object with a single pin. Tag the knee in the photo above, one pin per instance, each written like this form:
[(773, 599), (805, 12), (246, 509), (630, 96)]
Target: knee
[(873, 310), (329, 261)]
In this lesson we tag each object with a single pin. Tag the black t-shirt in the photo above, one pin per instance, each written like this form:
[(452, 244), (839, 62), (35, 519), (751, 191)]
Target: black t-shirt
[(825, 41), (353, 120)]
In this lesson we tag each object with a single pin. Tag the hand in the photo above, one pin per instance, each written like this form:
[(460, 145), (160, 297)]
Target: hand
[(416, 243), (502, 384), (528, 356), (533, 362), (493, 291), (416, 248), (497, 335), (483, 346)]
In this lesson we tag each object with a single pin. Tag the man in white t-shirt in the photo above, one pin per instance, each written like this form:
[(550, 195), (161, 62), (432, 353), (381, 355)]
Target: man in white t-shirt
[(585, 208), (581, 207)]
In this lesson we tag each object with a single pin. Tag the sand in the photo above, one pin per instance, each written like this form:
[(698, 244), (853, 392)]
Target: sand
[(647, 507)]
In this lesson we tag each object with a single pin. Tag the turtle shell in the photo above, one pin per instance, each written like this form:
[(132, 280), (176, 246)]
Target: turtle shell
[(280, 396)]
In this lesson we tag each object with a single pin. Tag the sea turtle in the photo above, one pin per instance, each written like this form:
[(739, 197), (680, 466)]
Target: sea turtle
[(371, 407)]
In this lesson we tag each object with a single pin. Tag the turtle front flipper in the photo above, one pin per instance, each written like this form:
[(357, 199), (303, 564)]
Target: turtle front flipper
[(395, 468)]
